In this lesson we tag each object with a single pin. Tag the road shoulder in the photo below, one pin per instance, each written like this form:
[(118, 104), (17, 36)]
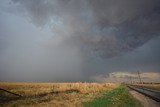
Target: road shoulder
[(146, 101)]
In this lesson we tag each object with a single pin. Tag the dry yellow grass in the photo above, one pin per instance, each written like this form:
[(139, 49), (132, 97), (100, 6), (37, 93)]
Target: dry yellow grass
[(53, 94)]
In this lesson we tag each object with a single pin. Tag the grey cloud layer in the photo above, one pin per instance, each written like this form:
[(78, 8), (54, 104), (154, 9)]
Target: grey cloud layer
[(104, 28), (73, 40)]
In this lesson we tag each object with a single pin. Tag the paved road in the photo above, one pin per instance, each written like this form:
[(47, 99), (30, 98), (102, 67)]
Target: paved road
[(154, 94), (145, 101)]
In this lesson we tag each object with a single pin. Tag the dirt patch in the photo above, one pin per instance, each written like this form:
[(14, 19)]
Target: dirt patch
[(146, 101)]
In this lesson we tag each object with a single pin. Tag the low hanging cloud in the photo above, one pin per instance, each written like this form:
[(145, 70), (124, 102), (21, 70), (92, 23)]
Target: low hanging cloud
[(104, 28), (73, 40)]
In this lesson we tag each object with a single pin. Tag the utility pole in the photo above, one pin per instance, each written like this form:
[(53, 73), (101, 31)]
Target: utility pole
[(131, 79), (139, 77)]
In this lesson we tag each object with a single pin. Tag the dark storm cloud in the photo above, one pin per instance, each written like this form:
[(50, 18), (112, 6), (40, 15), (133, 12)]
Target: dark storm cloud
[(104, 28), (73, 40)]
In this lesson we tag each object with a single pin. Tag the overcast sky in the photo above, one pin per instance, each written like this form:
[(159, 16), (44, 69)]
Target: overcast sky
[(79, 40)]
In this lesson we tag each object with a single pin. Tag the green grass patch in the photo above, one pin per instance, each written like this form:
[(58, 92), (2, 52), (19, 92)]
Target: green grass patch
[(119, 97)]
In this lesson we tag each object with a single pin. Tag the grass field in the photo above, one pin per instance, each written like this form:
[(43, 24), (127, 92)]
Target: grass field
[(51, 94), (119, 97), (66, 95)]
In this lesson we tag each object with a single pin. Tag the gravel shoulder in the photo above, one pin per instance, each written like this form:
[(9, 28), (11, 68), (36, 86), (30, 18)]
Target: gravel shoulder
[(146, 101)]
